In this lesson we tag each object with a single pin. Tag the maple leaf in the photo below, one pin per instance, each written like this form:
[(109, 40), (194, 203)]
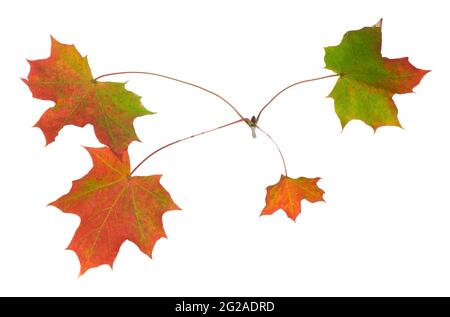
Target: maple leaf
[(66, 79), (367, 80), (288, 193), (114, 207)]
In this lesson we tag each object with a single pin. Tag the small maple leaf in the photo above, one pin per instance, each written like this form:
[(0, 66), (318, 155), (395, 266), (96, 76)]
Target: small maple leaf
[(66, 79), (288, 193), (114, 207), (367, 80)]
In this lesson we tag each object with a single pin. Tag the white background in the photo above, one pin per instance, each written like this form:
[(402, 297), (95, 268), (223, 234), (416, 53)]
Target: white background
[(385, 226)]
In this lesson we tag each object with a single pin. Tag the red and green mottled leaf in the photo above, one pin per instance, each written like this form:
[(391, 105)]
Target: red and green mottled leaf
[(367, 80), (114, 207), (66, 79), (288, 193)]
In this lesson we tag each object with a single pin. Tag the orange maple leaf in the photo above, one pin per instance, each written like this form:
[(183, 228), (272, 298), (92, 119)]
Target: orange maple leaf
[(288, 193), (114, 207)]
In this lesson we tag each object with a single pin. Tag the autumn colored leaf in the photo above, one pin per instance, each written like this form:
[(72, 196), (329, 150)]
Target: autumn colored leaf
[(367, 80), (114, 207), (288, 193), (66, 79)]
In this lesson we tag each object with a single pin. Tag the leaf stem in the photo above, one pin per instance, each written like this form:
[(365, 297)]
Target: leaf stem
[(290, 86), (279, 150), (184, 139), (177, 80)]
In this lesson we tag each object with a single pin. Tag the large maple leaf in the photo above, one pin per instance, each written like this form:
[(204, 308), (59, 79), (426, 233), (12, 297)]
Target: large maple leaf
[(66, 79), (114, 207), (288, 193), (367, 80)]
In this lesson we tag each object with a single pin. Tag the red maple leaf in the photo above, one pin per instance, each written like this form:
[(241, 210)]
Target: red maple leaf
[(66, 79), (114, 207)]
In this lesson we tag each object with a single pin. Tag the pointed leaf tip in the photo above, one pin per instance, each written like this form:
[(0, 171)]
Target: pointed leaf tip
[(379, 24)]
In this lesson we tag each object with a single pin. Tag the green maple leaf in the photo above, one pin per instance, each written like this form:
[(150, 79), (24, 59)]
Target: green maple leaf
[(367, 80)]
